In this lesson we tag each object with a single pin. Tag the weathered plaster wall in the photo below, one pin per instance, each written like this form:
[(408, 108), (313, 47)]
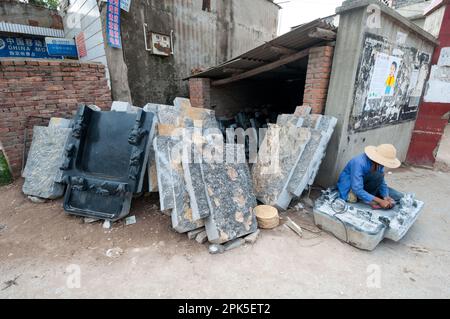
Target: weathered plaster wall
[(21, 13), (348, 76), (201, 39), (435, 108)]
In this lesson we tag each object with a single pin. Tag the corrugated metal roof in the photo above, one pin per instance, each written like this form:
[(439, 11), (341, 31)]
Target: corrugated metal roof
[(296, 40), (27, 29)]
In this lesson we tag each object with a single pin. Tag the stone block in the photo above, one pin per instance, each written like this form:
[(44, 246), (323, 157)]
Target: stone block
[(230, 197), (234, 244), (201, 238), (42, 171), (251, 239), (359, 225), (215, 249), (303, 110), (193, 233)]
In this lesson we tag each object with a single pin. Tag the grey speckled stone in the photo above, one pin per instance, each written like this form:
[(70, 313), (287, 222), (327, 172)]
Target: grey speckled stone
[(231, 199), (172, 189), (167, 182), (308, 166), (303, 110), (164, 114), (270, 185), (301, 176), (196, 190), (45, 157)]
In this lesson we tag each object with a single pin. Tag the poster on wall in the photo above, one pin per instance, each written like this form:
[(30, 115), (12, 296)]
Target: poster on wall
[(113, 24), (384, 76), (390, 82)]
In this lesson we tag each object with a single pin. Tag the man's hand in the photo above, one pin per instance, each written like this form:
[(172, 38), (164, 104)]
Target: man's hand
[(391, 200), (385, 204)]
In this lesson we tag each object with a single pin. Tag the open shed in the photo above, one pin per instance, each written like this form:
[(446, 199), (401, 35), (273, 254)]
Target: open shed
[(274, 78)]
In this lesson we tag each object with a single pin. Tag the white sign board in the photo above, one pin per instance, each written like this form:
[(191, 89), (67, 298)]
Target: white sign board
[(125, 5), (161, 44)]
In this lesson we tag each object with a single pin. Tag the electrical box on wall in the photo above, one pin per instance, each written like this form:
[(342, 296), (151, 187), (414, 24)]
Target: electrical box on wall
[(158, 43)]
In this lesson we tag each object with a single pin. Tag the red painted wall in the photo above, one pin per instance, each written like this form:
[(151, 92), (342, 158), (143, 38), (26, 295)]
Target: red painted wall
[(431, 119)]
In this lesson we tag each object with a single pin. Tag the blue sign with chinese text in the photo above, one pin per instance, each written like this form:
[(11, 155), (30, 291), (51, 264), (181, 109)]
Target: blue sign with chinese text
[(113, 24), (61, 47), (23, 47)]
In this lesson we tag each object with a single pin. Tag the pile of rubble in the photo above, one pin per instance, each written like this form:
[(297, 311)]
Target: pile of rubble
[(100, 159)]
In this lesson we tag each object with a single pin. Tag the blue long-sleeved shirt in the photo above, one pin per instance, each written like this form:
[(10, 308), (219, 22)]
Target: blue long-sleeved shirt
[(352, 178)]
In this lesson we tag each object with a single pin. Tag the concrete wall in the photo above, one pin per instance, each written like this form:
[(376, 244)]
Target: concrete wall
[(351, 78), (20, 13), (201, 39)]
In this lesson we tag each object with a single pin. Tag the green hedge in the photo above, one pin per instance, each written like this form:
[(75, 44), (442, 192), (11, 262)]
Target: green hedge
[(5, 173)]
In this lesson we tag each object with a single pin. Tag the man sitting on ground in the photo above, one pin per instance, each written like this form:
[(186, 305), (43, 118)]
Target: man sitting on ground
[(363, 178)]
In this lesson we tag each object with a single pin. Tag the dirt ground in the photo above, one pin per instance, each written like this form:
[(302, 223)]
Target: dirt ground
[(41, 248)]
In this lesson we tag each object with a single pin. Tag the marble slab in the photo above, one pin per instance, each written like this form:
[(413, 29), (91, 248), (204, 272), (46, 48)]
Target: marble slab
[(230, 198), (42, 171)]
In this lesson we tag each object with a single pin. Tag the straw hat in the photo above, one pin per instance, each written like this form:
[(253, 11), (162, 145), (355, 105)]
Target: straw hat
[(385, 155)]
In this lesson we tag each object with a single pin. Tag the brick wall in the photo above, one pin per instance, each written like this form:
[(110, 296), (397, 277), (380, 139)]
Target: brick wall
[(200, 92), (47, 89), (318, 78)]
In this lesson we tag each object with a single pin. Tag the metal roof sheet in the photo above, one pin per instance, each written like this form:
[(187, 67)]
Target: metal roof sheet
[(298, 39), (27, 29)]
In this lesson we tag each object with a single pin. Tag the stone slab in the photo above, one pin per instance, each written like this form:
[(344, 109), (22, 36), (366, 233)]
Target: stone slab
[(163, 146), (289, 144), (105, 162), (361, 226), (193, 142), (167, 115), (303, 110), (302, 172), (230, 198), (42, 171), (59, 122)]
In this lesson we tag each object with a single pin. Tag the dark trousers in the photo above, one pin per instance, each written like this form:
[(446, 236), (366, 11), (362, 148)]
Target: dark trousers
[(372, 184)]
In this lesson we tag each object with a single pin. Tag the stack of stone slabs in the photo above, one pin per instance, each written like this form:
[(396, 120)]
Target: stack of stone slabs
[(42, 172), (284, 146), (361, 226), (301, 172), (229, 190), (173, 194), (104, 162)]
